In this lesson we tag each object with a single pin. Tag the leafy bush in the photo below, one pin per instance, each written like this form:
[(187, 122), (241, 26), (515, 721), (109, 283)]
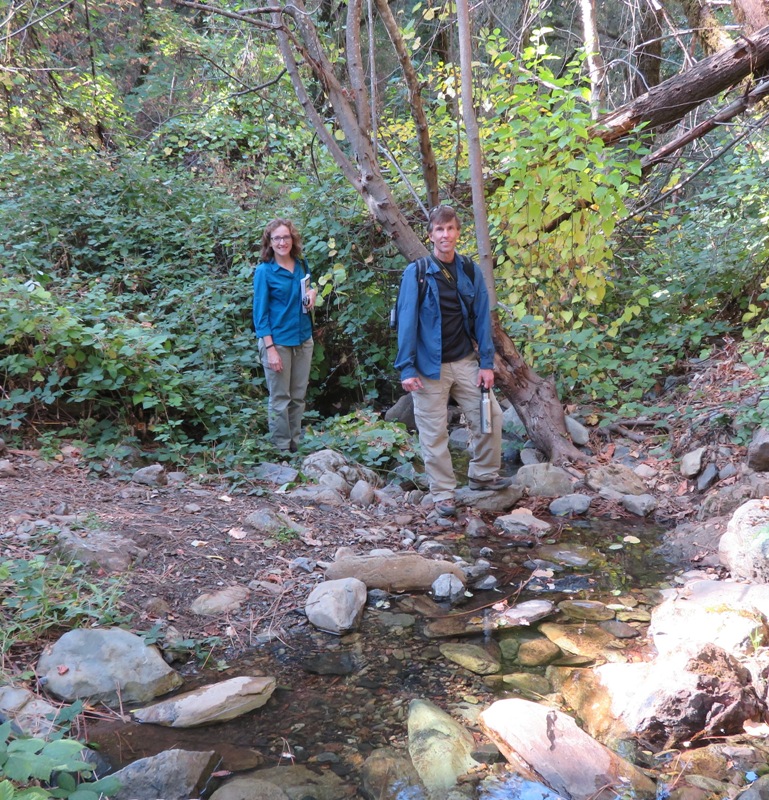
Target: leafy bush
[(363, 437), (33, 768)]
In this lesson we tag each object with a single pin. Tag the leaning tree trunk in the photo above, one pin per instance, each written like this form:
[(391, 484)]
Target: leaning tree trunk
[(535, 399), (665, 104)]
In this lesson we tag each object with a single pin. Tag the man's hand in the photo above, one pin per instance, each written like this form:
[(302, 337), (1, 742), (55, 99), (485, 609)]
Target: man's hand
[(412, 384), (485, 378)]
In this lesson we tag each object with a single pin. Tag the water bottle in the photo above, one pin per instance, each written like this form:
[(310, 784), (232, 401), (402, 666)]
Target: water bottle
[(485, 410)]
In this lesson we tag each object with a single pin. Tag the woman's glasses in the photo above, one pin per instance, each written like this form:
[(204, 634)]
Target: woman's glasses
[(280, 239)]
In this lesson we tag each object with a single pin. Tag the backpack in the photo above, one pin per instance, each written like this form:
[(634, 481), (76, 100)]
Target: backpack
[(421, 265)]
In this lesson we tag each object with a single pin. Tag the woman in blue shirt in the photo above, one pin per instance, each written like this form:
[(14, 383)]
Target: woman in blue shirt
[(282, 302)]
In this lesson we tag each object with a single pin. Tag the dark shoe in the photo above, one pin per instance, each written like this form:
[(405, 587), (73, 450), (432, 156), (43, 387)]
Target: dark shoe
[(292, 448), (491, 485), (446, 508)]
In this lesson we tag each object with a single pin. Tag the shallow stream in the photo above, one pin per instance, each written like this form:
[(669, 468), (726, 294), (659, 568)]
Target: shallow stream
[(339, 699)]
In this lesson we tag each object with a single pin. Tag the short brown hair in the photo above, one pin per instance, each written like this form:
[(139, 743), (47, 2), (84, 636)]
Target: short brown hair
[(442, 214), (268, 254)]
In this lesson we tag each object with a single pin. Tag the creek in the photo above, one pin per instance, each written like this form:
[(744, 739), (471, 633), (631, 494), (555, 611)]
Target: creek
[(338, 699)]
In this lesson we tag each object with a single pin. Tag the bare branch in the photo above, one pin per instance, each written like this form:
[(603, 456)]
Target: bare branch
[(234, 15), (429, 166), (355, 69)]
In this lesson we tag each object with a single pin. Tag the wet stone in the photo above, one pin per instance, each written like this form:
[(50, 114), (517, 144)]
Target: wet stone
[(527, 683), (585, 609), (537, 652), (472, 657), (619, 629), (634, 615), (332, 663)]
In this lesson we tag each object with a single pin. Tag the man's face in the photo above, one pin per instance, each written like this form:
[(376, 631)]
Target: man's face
[(444, 236)]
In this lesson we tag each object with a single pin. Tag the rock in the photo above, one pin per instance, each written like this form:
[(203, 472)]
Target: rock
[(616, 477), (691, 463), (758, 451), (690, 692), (225, 601), (537, 652), (545, 745), (580, 435), (544, 480), (154, 475), (276, 474), (520, 615), (728, 614), (521, 522), (362, 494), (585, 609), (493, 502), (569, 505), (402, 411), (396, 572), (639, 504), (473, 657), (744, 548), (295, 780), (570, 554), (336, 606), (440, 748), (583, 640), (528, 683), (267, 521), (322, 461), (7, 470), (530, 456), (708, 477), (388, 774), (30, 715), (111, 666), (99, 549), (333, 480), (247, 787), (318, 496), (172, 775), (448, 588), (726, 499), (214, 703)]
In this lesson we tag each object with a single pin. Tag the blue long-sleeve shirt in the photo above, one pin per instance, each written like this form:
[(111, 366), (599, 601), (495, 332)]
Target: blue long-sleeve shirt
[(419, 326), (278, 304)]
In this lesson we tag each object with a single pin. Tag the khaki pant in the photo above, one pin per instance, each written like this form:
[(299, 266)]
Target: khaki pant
[(458, 380), (287, 391)]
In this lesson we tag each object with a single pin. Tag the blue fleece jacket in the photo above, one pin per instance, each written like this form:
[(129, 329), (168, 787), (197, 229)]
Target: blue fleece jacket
[(419, 327)]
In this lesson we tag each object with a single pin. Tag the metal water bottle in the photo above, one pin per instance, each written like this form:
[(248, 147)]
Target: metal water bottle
[(485, 410)]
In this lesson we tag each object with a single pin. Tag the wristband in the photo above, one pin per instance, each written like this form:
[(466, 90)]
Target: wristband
[(268, 346)]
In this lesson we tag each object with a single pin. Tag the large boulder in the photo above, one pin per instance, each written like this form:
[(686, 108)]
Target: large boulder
[(547, 746), (109, 666), (744, 548)]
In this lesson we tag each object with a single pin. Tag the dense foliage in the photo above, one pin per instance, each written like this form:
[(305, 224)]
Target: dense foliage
[(135, 185)]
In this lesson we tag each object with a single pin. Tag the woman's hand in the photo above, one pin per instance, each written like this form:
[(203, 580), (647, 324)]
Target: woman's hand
[(274, 361), (311, 295)]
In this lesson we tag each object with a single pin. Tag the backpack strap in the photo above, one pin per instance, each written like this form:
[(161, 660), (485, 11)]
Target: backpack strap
[(421, 265)]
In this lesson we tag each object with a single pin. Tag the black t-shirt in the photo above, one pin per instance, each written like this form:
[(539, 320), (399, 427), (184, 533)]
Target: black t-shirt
[(455, 343)]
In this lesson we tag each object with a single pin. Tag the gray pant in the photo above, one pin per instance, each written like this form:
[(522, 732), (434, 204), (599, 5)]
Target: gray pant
[(459, 379), (287, 390)]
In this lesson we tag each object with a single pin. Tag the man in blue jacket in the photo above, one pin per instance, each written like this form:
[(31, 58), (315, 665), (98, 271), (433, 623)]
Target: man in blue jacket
[(437, 359)]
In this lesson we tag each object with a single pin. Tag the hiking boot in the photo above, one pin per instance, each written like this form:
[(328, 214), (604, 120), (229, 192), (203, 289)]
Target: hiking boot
[(446, 508), (491, 485)]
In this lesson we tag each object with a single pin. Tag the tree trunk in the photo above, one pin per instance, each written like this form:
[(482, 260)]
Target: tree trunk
[(664, 105), (535, 399), (711, 33)]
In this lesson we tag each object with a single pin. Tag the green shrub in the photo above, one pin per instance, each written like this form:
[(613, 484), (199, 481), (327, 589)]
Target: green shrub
[(33, 768)]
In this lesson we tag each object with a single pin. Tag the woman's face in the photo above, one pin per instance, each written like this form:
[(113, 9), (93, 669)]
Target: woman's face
[(281, 241)]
